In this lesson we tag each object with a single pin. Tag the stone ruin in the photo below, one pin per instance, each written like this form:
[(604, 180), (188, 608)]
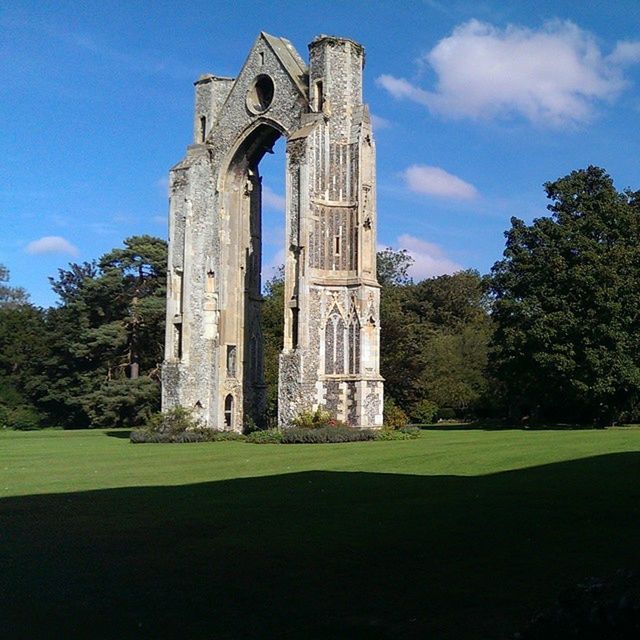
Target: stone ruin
[(214, 346)]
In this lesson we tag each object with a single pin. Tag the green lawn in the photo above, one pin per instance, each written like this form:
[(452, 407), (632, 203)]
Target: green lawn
[(459, 534)]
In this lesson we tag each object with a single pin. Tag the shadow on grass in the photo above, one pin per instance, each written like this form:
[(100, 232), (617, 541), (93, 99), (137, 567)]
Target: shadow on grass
[(498, 425), (120, 433), (318, 555)]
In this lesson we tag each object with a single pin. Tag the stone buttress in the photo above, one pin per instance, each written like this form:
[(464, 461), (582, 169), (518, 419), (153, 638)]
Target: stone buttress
[(214, 347)]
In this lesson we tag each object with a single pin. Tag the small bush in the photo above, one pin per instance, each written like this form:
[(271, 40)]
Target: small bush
[(394, 416), (424, 412), (268, 436), (406, 433), (316, 420), (322, 435), (20, 418), (178, 425), (172, 422)]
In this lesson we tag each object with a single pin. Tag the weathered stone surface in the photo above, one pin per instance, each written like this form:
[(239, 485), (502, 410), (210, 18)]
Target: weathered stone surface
[(213, 359)]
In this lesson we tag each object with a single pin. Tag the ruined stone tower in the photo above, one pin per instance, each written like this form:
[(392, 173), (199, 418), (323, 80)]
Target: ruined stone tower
[(214, 353)]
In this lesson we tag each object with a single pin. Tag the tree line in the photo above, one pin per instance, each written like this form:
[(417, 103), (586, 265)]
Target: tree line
[(551, 334)]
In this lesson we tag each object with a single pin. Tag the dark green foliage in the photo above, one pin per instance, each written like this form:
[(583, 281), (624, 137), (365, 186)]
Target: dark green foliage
[(424, 412), (273, 333), (446, 413), (122, 402), (106, 338), (567, 306), (10, 296), (323, 435), (23, 350), (596, 608), (434, 342), (21, 418)]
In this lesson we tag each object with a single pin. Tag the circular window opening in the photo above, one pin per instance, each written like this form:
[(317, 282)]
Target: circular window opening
[(260, 96)]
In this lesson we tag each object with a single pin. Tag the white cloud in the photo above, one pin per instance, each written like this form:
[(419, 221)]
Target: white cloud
[(435, 181), (626, 52), (272, 200), (429, 259), (552, 76), (379, 122), (401, 88), (51, 244)]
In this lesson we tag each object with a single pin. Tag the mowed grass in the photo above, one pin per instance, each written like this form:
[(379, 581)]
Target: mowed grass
[(459, 534)]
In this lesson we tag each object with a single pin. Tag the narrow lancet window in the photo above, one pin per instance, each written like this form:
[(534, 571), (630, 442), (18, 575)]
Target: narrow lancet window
[(294, 327), (228, 411), (203, 128)]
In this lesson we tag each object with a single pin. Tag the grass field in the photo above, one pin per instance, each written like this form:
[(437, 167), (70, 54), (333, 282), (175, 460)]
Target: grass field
[(459, 534)]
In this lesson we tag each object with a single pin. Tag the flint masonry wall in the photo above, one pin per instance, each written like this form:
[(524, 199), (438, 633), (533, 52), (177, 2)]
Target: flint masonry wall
[(213, 360)]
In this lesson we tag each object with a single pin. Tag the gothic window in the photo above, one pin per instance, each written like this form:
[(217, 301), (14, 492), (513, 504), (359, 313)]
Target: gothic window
[(334, 343), (339, 346), (354, 342), (329, 344), (295, 319), (319, 98), (228, 411), (203, 128)]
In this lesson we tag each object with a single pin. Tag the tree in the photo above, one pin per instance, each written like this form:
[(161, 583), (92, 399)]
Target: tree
[(23, 348), (107, 337), (393, 267), (10, 296), (567, 305), (273, 335), (434, 337)]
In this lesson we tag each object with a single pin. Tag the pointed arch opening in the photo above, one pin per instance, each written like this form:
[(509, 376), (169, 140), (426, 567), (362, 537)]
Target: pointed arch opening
[(245, 197)]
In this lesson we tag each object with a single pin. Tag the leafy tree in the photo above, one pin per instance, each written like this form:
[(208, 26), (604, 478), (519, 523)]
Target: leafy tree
[(434, 339), (10, 296), (108, 337), (273, 335), (567, 305), (23, 348), (393, 267)]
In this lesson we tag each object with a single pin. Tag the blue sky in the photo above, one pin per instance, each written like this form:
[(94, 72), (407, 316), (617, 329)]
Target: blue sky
[(476, 105)]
